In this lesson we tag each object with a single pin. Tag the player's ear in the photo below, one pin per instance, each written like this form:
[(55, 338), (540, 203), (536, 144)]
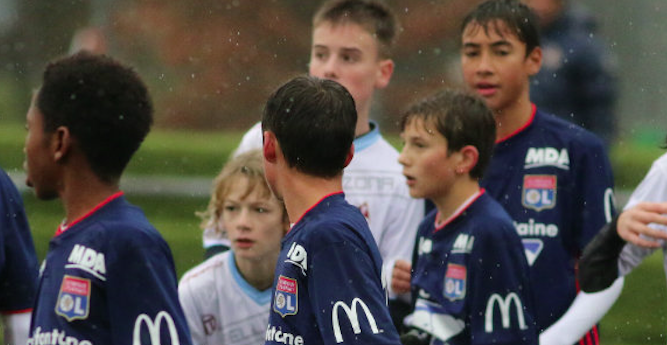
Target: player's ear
[(534, 61), (269, 148), (61, 143), (384, 73), (350, 155), (469, 157)]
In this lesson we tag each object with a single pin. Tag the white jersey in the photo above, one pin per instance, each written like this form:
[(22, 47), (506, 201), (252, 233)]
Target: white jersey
[(374, 183), (653, 188), (252, 140), (220, 306)]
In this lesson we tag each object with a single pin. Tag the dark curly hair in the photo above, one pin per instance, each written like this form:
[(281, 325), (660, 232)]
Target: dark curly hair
[(104, 104)]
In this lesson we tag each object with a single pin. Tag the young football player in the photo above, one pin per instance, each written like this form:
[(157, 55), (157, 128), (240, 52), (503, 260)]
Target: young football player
[(108, 276), (352, 43), (552, 177), (328, 282), (608, 258), (18, 264), (470, 280), (226, 299)]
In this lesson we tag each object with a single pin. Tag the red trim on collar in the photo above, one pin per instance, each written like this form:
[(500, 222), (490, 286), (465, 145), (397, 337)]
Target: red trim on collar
[(525, 125), (62, 227), (458, 212), (312, 207), (12, 312)]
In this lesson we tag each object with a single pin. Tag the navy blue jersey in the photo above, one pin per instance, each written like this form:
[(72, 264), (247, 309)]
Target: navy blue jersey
[(18, 261), (328, 286), (108, 279), (470, 279), (555, 181)]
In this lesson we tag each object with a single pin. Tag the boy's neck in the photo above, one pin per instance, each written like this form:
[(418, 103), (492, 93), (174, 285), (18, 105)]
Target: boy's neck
[(363, 125), (258, 273), (300, 192), (512, 118), (81, 192), (461, 191)]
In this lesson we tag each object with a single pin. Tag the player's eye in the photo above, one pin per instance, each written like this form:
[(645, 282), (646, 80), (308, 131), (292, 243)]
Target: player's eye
[(230, 208), (470, 53)]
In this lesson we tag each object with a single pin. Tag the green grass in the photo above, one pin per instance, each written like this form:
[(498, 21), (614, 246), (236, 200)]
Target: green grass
[(171, 153), (640, 314)]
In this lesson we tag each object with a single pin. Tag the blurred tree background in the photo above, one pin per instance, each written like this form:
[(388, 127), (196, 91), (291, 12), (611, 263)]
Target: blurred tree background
[(211, 64)]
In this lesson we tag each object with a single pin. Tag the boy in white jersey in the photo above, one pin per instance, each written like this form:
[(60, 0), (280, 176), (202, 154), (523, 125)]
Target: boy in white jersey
[(226, 299), (352, 41)]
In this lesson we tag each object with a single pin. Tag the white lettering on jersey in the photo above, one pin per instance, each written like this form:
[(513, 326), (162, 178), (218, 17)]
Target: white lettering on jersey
[(368, 183), (547, 156), (54, 337), (425, 246), (463, 244), (298, 256), (273, 334), (88, 260), (429, 316), (154, 328), (504, 305), (609, 204), (536, 229), (353, 317)]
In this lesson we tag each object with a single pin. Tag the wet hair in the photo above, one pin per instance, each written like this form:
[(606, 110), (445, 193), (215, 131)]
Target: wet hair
[(314, 122), (462, 118), (374, 16), (518, 18), (249, 165), (105, 106)]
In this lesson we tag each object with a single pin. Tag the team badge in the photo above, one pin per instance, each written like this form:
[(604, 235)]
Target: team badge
[(73, 298), (539, 192), (285, 299), (532, 247), (455, 282)]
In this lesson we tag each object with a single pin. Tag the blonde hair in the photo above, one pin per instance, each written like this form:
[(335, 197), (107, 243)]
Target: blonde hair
[(249, 165)]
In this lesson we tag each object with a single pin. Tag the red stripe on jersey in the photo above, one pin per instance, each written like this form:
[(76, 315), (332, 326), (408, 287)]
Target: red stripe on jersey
[(63, 227), (20, 311), (440, 225), (312, 207), (532, 117)]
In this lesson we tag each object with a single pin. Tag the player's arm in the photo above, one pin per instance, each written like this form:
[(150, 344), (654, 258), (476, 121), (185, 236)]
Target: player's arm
[(142, 292), (594, 186), (16, 327), (584, 313), (499, 290), (345, 285), (398, 240), (633, 224)]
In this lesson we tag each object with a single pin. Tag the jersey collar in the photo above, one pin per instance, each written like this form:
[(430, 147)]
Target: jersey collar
[(522, 128), (260, 297), (62, 227), (466, 204), (311, 208), (368, 139)]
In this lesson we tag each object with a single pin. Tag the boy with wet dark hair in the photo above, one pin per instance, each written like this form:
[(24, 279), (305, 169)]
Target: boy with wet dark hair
[(552, 177), (108, 277), (352, 44), (328, 285), (470, 280)]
